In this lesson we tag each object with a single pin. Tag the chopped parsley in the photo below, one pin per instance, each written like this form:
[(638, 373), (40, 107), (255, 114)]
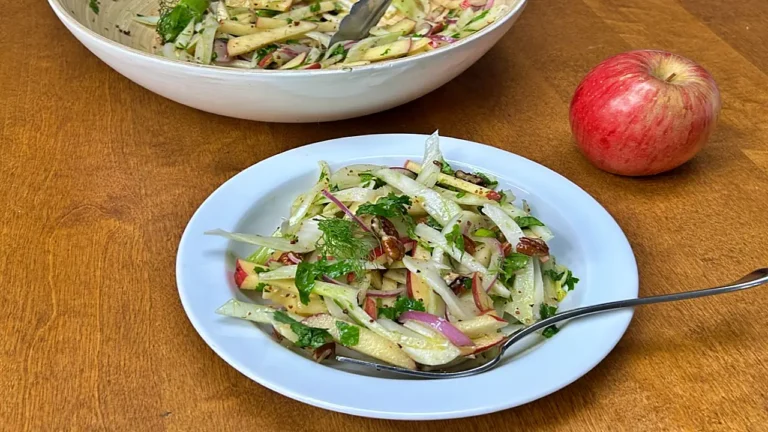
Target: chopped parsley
[(467, 284), (512, 263), (546, 311), (314, 7), (487, 182), (570, 281), (527, 221), (386, 51), (308, 337), (456, 238), (263, 52), (94, 5), (174, 19), (479, 16), (432, 222), (260, 287), (485, 232), (307, 273), (392, 205), (461, 194), (339, 50), (366, 177), (445, 168), (349, 335), (402, 304)]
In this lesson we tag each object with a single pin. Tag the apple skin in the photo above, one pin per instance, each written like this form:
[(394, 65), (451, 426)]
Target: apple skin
[(644, 112)]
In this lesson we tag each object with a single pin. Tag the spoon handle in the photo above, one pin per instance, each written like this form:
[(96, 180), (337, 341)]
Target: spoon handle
[(757, 277)]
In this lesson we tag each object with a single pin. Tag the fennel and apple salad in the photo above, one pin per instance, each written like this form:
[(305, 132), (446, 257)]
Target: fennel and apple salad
[(420, 265), (288, 34)]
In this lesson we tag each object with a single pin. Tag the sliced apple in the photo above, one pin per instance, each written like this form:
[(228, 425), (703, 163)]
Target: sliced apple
[(237, 28), (248, 43), (245, 275), (291, 301), (388, 51), (327, 26), (483, 343), (481, 325), (311, 66), (369, 342), (275, 5), (295, 62), (419, 45), (305, 12), (266, 23), (370, 308), (403, 27), (483, 302), (418, 289)]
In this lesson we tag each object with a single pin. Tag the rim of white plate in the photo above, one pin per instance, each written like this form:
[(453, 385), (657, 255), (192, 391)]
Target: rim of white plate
[(579, 346)]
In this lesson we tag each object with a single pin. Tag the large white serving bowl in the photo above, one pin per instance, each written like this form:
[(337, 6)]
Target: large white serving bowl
[(274, 96)]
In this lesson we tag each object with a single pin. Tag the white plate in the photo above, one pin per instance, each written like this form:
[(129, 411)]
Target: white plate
[(588, 240)]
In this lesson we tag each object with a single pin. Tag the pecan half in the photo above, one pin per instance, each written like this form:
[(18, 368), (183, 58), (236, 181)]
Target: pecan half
[(384, 227), (393, 247), (532, 247), (285, 259), (457, 286), (469, 245), (323, 352), (470, 178)]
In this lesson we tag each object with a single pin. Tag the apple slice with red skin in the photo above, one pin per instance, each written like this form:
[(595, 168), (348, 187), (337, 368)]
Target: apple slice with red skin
[(482, 299), (245, 275), (369, 306), (481, 325), (483, 343)]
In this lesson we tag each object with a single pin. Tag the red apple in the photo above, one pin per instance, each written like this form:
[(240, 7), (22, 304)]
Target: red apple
[(481, 298), (644, 112)]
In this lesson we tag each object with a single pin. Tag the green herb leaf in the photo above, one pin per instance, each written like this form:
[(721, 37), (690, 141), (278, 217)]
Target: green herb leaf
[(512, 263), (339, 50), (314, 7), (261, 53), (344, 240), (485, 232), (456, 238), (307, 336), (468, 284), (547, 311), (174, 19), (527, 221), (446, 169), (307, 273), (349, 335), (392, 205), (570, 281), (266, 13), (260, 287), (553, 274), (487, 182), (401, 305), (460, 194), (94, 5), (366, 177), (432, 222), (479, 16), (550, 331)]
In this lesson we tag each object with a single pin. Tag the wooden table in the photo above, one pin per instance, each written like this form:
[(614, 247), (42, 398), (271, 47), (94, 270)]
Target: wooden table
[(100, 176)]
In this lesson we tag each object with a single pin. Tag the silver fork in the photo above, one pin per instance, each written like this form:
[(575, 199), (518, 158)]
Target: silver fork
[(756, 278)]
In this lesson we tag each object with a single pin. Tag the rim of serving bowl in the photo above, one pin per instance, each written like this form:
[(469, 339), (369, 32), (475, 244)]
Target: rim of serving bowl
[(65, 14)]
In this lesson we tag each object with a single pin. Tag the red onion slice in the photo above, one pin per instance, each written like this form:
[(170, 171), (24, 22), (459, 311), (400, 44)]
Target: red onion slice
[(345, 209), (454, 335), (220, 48), (384, 294), (441, 38), (293, 258), (404, 171)]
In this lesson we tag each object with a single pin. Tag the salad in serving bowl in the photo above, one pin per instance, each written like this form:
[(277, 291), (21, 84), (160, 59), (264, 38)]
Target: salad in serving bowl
[(416, 266), (288, 35)]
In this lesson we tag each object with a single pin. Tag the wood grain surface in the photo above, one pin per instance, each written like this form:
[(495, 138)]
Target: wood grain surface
[(99, 178)]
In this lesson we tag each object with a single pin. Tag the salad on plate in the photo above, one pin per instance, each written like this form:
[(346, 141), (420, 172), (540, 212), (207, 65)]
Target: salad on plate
[(417, 266), (287, 34)]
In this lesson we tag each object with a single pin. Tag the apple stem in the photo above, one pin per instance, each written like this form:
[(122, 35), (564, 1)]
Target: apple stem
[(671, 77)]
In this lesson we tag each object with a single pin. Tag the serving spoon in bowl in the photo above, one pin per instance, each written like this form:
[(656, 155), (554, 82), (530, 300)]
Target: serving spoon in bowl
[(756, 278), (362, 17)]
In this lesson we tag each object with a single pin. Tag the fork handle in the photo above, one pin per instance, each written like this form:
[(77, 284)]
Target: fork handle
[(756, 278)]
